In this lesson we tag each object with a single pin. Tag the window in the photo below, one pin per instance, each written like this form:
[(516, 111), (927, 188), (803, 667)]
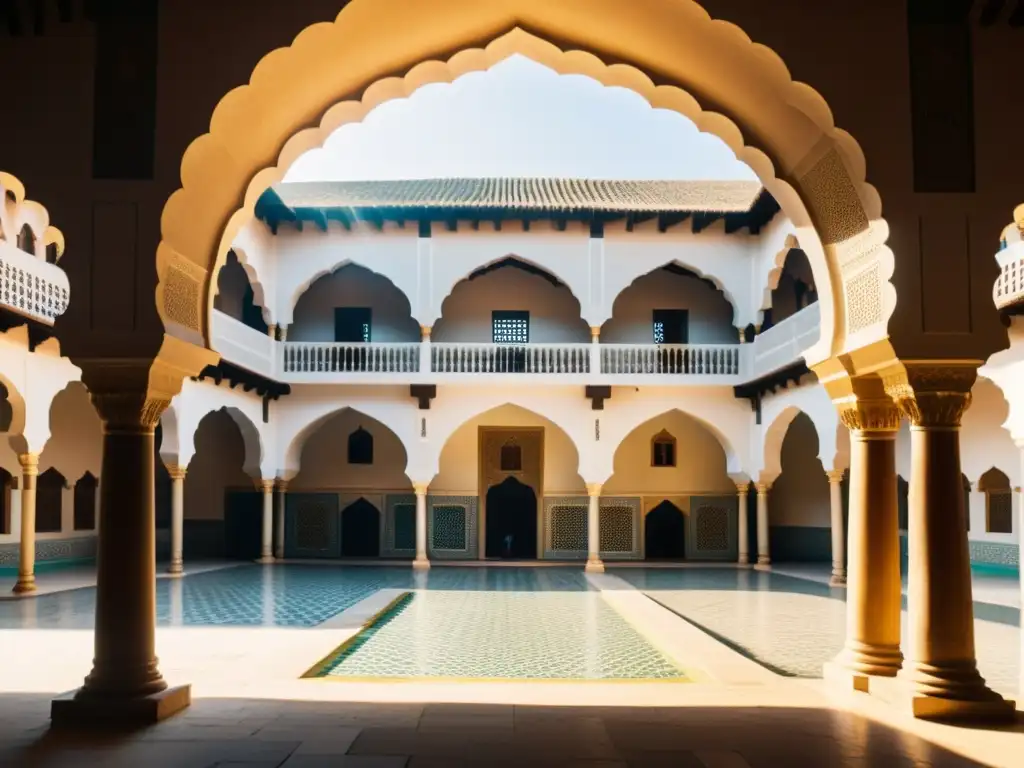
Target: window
[(27, 240), (511, 458), (352, 324), (85, 503), (49, 501), (663, 450), (510, 327), (998, 501), (671, 326), (360, 447)]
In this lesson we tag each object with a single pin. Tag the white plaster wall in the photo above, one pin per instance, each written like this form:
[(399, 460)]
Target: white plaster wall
[(710, 314), (700, 461), (800, 496), (324, 458), (554, 311), (460, 458), (216, 466), (354, 286)]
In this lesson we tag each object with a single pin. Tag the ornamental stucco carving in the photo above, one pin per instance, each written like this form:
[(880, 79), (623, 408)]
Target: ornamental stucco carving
[(868, 414), (932, 395)]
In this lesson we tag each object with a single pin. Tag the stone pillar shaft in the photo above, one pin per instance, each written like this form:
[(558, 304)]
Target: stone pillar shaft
[(177, 519), (941, 661), (125, 663), (425, 349), (282, 489), (874, 597), (595, 349), (594, 564), (835, 494), (743, 524), (763, 539), (27, 553), (421, 560), (267, 533)]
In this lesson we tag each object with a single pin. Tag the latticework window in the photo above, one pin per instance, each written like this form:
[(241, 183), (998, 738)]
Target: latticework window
[(510, 327)]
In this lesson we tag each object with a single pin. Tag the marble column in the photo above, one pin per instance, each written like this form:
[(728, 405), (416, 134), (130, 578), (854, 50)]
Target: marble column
[(941, 664), (176, 567), (421, 560), (27, 553), (425, 349), (267, 542), (764, 558), (835, 495), (125, 685), (282, 490), (595, 349), (594, 564), (873, 592), (743, 523)]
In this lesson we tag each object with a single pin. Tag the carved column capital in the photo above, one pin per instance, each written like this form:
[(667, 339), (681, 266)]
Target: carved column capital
[(864, 414), (176, 471), (742, 488), (762, 488), (933, 394), (835, 475), (29, 463), (425, 332), (420, 489), (282, 485), (267, 486)]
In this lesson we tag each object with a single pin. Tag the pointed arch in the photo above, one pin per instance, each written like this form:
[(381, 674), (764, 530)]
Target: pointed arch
[(794, 126), (249, 433), (236, 295), (85, 502), (50, 487), (371, 418)]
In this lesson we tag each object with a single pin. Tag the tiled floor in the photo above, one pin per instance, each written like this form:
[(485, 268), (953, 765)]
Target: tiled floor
[(795, 625)]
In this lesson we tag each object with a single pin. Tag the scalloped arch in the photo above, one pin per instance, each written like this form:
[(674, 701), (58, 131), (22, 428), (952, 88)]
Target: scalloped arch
[(719, 285), (814, 170), (27, 212)]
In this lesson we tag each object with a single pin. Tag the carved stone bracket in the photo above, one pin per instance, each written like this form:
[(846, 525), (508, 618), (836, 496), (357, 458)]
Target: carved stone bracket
[(934, 394)]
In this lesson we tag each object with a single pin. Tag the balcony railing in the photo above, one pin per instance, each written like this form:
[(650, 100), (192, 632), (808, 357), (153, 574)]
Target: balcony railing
[(785, 341), (507, 358), (31, 286), (327, 357), (1009, 287), (670, 359)]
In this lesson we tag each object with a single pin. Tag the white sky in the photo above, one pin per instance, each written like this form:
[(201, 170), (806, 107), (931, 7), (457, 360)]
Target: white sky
[(520, 119)]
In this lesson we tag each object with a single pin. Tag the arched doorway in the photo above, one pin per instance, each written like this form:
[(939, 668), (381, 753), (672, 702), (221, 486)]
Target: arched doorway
[(665, 533), (360, 530), (511, 521)]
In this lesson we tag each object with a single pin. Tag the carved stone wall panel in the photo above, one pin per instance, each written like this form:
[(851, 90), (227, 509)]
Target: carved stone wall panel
[(452, 527), (837, 208)]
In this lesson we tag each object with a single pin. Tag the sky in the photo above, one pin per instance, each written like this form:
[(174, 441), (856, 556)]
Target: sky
[(520, 118)]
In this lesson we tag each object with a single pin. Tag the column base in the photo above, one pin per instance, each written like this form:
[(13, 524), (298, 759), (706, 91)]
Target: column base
[(176, 569), (279, 555), (74, 709), (838, 579), (954, 692), (763, 564), (24, 586), (743, 560), (266, 560), (421, 564), (594, 566), (853, 669)]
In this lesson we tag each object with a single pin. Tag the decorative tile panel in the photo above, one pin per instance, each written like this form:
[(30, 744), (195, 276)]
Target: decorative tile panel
[(712, 528), (399, 526), (312, 525), (620, 528), (452, 527), (565, 527), (52, 551), (995, 553)]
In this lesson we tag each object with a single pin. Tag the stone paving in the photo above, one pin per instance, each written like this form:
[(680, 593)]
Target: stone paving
[(243, 733)]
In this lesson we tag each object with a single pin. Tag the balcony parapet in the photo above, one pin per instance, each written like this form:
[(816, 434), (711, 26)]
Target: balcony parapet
[(1009, 287), (31, 286)]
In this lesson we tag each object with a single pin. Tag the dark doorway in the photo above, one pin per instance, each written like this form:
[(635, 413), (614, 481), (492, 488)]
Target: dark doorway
[(243, 525), (665, 533), (360, 530), (511, 521)]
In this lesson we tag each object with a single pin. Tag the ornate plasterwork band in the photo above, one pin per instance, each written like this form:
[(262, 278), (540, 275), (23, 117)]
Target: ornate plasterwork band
[(933, 395), (839, 213)]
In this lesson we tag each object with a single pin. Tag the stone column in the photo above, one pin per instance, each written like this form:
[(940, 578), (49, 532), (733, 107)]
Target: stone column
[(595, 349), (941, 663), (835, 495), (873, 593), (177, 474), (764, 558), (743, 522), (282, 489), (267, 544), (1020, 561), (594, 564), (425, 349), (421, 560), (125, 685), (27, 553)]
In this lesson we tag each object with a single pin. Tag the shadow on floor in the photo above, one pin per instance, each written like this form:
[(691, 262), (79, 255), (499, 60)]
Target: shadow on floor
[(303, 734)]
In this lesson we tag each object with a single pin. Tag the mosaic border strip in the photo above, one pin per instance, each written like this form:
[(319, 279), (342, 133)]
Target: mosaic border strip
[(995, 553), (360, 638), (53, 550)]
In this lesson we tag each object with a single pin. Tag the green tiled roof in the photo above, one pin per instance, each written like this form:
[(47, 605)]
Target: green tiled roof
[(526, 194)]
